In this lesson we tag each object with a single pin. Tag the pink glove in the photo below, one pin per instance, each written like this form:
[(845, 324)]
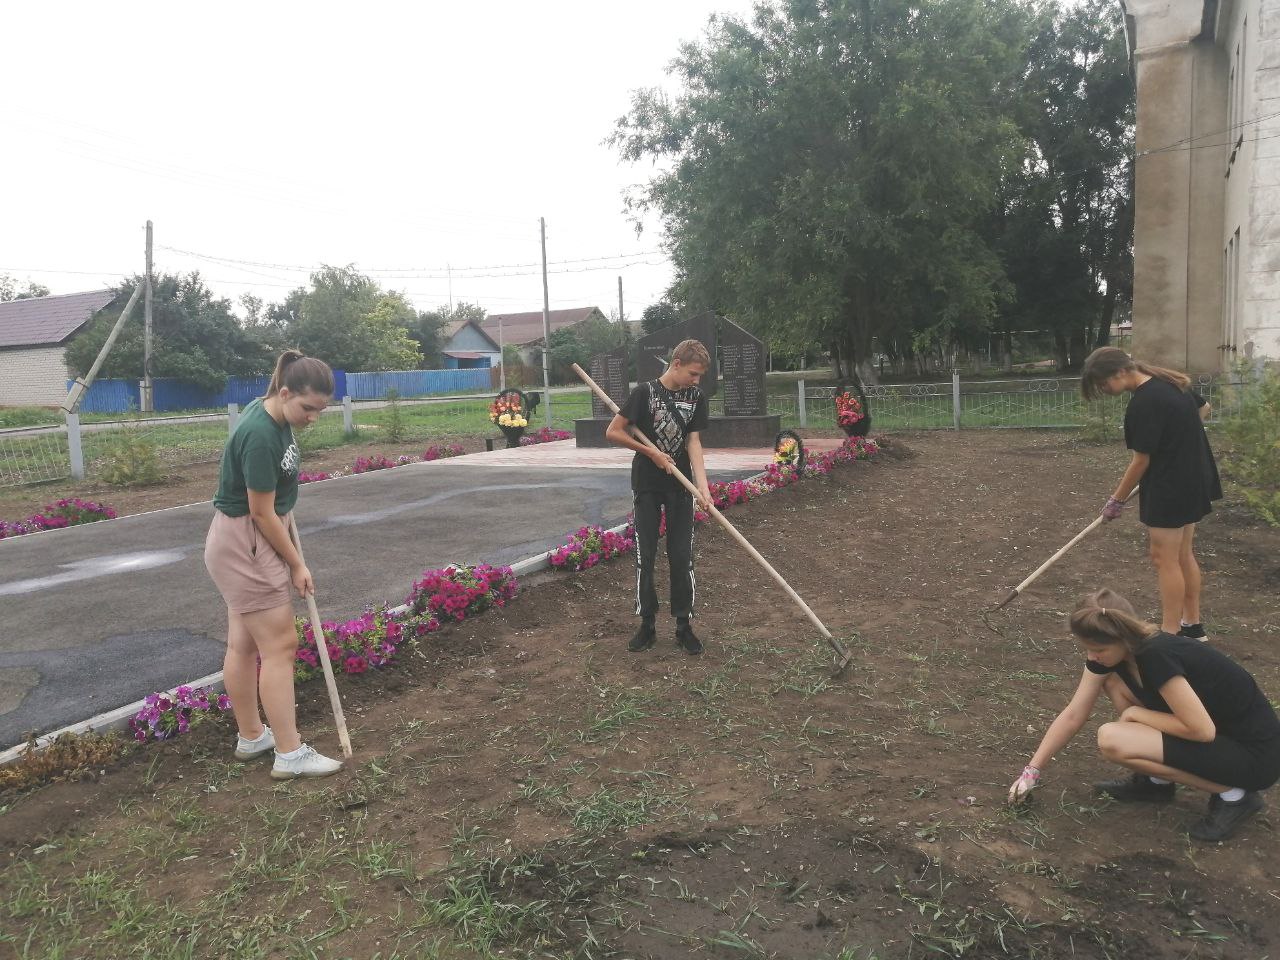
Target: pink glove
[(1113, 509), (1022, 787)]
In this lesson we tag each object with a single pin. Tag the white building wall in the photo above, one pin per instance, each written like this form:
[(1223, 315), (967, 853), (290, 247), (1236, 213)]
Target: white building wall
[(33, 376), (1257, 30)]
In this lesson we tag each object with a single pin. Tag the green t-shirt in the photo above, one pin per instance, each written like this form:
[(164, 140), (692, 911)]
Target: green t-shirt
[(260, 455)]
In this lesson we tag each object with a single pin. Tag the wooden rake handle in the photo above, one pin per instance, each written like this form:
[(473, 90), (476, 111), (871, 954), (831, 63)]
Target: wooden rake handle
[(836, 645), (1055, 558), (322, 648)]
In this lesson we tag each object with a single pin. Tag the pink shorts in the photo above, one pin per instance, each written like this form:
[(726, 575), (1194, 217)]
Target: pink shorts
[(248, 572)]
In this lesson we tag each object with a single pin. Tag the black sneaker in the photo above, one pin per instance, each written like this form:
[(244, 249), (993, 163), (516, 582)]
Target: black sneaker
[(645, 637), (687, 640), (1193, 631), (1136, 788), (1225, 818)]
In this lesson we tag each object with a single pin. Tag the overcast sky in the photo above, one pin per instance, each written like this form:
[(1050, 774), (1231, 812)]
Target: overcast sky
[(288, 135)]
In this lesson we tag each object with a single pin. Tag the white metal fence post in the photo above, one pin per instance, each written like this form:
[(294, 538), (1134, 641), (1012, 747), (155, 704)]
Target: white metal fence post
[(233, 414), (73, 446), (955, 397), (348, 423), (801, 413)]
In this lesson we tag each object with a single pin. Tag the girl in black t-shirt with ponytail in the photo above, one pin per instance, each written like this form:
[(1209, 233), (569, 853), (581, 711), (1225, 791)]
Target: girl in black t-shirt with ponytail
[(1172, 461), (1188, 714)]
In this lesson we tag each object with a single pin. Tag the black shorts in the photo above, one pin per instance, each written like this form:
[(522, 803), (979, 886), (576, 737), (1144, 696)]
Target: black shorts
[(1250, 766)]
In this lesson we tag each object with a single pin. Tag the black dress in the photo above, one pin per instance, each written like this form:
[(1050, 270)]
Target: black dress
[(1182, 479)]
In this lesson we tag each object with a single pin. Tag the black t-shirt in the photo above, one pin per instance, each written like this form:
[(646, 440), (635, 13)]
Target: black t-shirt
[(1235, 704), (1182, 478), (647, 408)]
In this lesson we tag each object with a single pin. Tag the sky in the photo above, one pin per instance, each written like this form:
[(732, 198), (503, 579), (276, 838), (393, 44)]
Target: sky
[(419, 142)]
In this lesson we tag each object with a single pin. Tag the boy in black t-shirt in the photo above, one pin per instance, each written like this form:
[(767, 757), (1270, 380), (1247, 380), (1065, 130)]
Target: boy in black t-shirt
[(670, 411), (1188, 714)]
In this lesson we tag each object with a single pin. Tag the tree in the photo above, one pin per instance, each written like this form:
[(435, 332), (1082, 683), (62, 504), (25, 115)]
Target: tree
[(830, 167), (582, 341), (1066, 225), (9, 289), (347, 320), (658, 315), (195, 336)]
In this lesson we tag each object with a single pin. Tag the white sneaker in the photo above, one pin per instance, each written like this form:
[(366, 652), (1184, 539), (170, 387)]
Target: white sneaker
[(249, 749), (303, 762)]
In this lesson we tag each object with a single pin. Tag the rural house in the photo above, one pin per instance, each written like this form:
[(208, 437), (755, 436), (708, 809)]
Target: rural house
[(34, 334)]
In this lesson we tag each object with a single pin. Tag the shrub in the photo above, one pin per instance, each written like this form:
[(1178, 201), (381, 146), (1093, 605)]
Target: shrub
[(1253, 433), (131, 460), (395, 418)]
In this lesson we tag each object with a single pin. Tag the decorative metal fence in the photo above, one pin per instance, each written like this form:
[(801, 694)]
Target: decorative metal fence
[(78, 450), (1047, 403)]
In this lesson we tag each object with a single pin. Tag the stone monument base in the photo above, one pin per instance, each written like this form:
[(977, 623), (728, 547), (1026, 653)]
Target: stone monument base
[(720, 432)]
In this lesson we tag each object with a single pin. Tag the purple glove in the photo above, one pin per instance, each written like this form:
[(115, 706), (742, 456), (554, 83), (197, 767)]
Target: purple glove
[(1113, 509)]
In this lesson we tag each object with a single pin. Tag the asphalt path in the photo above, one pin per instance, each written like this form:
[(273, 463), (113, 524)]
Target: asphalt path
[(98, 616)]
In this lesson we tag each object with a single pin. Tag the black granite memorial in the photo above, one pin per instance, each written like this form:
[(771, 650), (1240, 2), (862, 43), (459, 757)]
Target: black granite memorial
[(654, 350), (736, 355), (610, 371)]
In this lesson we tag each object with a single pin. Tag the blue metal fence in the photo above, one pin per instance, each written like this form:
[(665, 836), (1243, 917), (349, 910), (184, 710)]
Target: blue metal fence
[(122, 396), (416, 383), (110, 396)]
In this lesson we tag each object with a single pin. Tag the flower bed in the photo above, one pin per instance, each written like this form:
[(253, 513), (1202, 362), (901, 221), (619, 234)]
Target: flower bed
[(545, 435), (65, 513), (379, 462), (370, 640), (461, 591), (591, 545), (166, 716)]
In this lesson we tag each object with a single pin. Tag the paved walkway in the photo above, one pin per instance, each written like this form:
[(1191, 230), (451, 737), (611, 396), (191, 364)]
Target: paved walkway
[(100, 615)]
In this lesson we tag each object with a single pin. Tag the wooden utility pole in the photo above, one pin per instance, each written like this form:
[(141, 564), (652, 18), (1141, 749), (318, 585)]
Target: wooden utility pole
[(546, 328), (147, 397)]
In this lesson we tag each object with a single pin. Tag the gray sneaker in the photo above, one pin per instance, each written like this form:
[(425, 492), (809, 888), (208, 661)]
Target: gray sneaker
[(305, 763), (250, 749)]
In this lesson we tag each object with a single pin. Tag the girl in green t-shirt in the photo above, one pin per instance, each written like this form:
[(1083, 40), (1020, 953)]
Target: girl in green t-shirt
[(253, 561)]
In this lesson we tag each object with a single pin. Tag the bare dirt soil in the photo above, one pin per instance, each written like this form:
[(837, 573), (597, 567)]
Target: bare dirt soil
[(524, 787)]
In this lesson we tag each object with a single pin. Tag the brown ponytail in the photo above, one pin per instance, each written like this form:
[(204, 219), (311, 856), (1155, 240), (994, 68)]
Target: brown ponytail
[(1107, 618), (301, 374), (1105, 362)]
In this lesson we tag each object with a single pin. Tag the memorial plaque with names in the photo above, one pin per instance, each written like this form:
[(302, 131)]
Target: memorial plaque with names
[(742, 359), (610, 371), (653, 351)]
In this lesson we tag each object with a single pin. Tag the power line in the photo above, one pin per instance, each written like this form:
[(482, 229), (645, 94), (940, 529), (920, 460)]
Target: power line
[(430, 273), (1169, 147)]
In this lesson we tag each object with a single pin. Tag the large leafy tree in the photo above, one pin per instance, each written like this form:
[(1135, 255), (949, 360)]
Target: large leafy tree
[(195, 336), (349, 321), (1065, 226), (831, 166)]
